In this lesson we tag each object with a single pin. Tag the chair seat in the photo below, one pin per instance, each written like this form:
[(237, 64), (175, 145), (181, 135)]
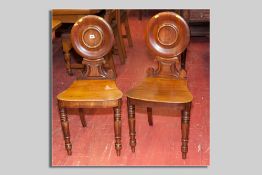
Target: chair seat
[(91, 90), (162, 90)]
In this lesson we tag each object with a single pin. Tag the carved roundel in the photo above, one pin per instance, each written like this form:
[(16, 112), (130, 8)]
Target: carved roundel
[(167, 34), (92, 37)]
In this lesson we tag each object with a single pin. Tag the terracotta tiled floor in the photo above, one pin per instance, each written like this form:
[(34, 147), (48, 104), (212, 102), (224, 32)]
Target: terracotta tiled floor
[(157, 145)]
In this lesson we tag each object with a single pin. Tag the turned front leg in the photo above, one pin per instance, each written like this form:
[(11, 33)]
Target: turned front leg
[(185, 120), (65, 128), (117, 128), (132, 126)]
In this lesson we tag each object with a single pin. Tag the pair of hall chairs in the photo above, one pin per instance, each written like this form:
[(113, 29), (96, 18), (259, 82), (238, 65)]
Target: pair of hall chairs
[(167, 36)]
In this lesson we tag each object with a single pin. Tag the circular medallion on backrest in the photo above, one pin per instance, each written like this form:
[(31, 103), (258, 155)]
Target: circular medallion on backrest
[(167, 34), (92, 37)]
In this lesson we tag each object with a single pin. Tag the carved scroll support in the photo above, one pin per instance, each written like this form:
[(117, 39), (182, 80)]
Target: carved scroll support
[(95, 69), (167, 67)]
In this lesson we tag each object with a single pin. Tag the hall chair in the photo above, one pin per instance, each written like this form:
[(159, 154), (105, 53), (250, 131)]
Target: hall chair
[(167, 36), (92, 38)]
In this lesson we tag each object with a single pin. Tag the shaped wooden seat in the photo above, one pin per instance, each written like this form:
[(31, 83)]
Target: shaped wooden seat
[(91, 91), (92, 38), (167, 36), (162, 90)]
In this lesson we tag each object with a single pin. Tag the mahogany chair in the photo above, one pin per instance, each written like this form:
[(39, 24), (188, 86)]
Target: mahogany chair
[(167, 36), (92, 38)]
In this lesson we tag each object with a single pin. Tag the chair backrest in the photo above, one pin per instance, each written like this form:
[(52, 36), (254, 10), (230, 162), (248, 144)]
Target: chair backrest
[(93, 38), (167, 36)]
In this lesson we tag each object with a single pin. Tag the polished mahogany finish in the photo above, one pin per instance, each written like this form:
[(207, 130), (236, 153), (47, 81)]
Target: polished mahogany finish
[(167, 36), (164, 37), (92, 38)]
